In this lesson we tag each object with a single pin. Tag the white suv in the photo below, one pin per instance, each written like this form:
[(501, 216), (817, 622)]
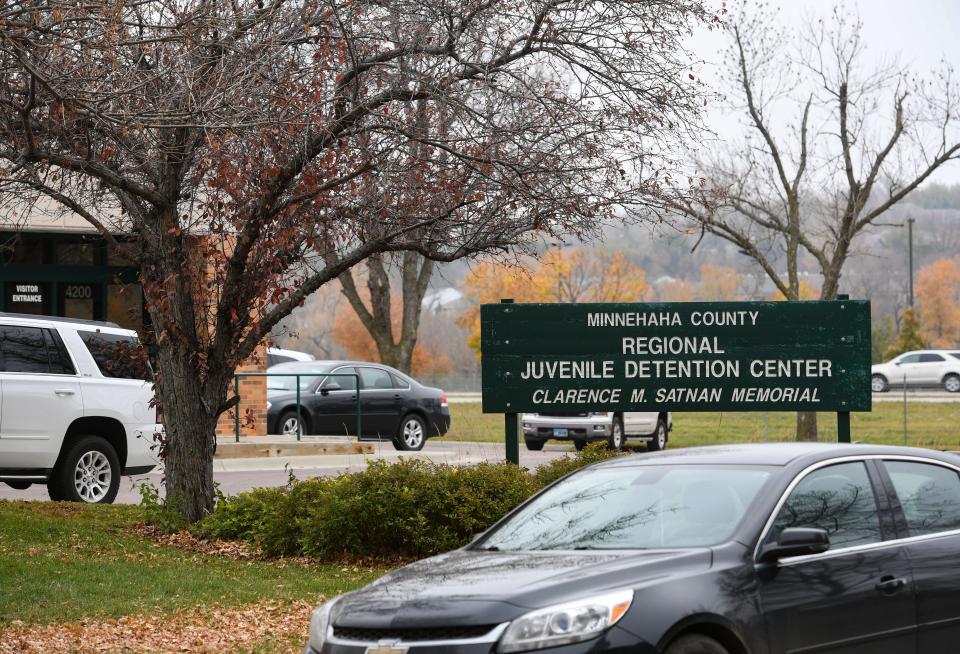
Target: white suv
[(75, 407), (919, 368), (581, 428)]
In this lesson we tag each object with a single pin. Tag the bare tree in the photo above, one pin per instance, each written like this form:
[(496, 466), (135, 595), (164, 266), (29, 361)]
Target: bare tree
[(832, 144), (258, 150), (395, 349)]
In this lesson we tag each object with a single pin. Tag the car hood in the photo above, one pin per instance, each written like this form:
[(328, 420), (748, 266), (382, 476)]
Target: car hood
[(469, 587)]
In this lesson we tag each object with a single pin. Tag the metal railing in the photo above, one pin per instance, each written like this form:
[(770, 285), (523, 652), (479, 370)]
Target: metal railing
[(297, 376)]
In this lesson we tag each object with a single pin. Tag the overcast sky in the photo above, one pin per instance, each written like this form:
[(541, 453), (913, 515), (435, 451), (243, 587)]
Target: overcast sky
[(920, 33)]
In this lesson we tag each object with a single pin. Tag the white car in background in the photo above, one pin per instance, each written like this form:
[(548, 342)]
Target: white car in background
[(918, 368), (277, 355), (582, 428)]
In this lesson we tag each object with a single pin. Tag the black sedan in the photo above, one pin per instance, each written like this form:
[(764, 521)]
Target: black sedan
[(754, 549), (337, 396)]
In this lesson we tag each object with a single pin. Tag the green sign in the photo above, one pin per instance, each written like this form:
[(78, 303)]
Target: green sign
[(687, 356)]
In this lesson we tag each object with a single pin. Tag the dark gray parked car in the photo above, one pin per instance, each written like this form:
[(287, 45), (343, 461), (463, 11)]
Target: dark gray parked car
[(393, 406), (749, 549)]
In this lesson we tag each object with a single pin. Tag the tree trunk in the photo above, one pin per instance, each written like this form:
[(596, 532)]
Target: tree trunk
[(806, 426), (190, 420), (379, 318)]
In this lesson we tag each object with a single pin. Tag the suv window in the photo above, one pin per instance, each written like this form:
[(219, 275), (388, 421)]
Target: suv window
[(929, 495), (375, 379), (955, 355), (931, 358), (838, 498), (909, 358), (60, 363), (117, 356), (33, 350)]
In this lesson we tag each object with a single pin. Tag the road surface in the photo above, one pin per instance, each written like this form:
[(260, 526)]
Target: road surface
[(237, 475)]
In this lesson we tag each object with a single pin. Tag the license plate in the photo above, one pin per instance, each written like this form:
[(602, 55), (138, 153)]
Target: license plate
[(562, 433)]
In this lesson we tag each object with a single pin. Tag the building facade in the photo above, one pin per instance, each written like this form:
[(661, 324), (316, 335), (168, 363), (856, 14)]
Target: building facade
[(62, 267)]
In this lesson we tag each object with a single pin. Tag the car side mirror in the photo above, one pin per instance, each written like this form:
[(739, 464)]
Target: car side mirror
[(896, 363), (796, 541), (333, 386)]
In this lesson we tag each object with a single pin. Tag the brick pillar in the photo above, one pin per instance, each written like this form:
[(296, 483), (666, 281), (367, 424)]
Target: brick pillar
[(253, 396)]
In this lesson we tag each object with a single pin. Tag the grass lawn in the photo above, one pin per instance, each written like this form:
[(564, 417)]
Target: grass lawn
[(62, 563), (935, 425)]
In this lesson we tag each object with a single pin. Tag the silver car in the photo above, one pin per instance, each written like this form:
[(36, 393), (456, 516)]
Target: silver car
[(614, 428)]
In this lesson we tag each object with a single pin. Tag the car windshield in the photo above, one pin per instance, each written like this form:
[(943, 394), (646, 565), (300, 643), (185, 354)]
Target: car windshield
[(281, 382), (635, 507)]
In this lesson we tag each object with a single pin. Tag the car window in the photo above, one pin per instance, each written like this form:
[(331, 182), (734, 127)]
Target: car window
[(635, 507), (345, 382), (274, 359), (909, 358), (837, 498), (24, 350), (375, 379), (399, 382), (117, 355), (60, 363), (931, 358), (929, 495), (955, 355), (281, 377)]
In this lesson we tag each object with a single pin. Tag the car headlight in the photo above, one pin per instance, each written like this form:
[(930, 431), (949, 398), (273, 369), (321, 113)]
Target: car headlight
[(319, 622), (268, 405), (565, 623)]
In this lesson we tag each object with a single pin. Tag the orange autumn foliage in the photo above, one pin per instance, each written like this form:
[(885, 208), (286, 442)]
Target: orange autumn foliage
[(938, 294), (562, 275)]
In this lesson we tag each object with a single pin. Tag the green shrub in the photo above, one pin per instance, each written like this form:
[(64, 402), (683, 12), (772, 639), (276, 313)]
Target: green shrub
[(411, 508), (592, 453)]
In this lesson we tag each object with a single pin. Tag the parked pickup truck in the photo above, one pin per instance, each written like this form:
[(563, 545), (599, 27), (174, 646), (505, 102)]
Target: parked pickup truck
[(582, 428)]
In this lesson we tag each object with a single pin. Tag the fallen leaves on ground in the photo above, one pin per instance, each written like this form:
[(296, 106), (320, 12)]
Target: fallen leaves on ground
[(188, 542), (193, 631)]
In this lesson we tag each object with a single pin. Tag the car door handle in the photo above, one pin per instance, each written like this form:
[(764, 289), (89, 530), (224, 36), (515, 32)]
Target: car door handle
[(890, 585), (64, 391)]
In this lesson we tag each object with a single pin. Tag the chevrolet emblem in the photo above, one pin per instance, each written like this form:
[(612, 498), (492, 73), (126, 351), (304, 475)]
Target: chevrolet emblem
[(387, 647)]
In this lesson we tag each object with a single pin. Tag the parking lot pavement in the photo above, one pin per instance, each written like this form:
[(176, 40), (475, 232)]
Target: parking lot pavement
[(237, 475)]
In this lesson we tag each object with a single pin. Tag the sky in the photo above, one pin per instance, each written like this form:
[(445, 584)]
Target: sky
[(920, 33)]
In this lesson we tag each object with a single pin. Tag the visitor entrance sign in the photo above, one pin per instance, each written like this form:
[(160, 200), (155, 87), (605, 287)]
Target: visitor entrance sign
[(684, 356)]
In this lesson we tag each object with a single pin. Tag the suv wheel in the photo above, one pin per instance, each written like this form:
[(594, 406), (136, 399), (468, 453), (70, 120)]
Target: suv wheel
[(659, 440), (615, 440), (951, 383), (412, 434), (533, 444), (90, 473), (878, 384)]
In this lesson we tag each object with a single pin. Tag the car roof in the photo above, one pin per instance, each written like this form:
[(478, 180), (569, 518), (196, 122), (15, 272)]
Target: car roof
[(773, 454), (327, 363)]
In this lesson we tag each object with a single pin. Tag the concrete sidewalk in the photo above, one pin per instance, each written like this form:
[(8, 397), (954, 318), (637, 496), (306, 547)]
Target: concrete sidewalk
[(282, 446)]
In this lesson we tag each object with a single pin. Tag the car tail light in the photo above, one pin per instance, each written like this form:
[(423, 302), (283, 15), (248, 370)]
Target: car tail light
[(443, 398)]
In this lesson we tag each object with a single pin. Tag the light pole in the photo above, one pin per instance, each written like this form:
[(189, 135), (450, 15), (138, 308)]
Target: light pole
[(910, 222), (909, 225)]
